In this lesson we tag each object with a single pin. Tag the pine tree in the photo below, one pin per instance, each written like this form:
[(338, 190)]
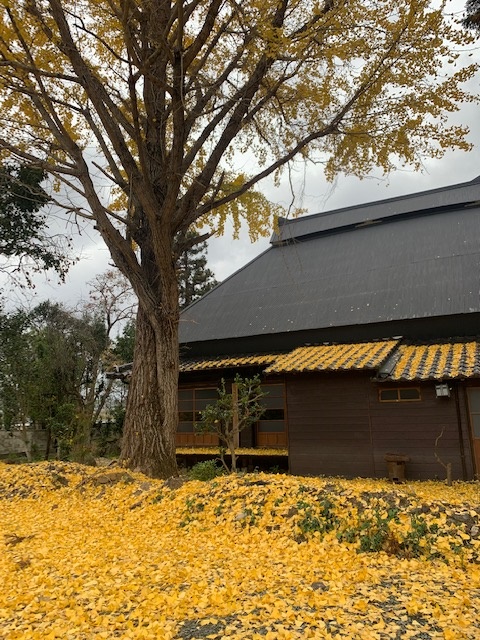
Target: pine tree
[(472, 19), (194, 279), (125, 343)]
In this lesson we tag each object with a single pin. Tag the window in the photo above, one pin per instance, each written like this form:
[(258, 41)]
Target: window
[(399, 394), (191, 402), (270, 429), (271, 426)]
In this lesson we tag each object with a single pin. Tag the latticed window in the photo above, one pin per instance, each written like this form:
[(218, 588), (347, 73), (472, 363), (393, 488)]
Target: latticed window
[(191, 402), (399, 394)]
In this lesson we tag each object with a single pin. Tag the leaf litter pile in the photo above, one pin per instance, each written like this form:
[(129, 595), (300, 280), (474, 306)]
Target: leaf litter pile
[(104, 553)]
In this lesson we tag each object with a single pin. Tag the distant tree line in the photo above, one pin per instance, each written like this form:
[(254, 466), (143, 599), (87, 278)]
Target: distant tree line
[(53, 362)]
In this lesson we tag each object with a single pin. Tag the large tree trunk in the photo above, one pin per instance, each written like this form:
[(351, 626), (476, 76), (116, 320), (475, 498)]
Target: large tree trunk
[(151, 418)]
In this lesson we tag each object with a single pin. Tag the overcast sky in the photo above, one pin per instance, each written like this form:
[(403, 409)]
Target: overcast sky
[(312, 193)]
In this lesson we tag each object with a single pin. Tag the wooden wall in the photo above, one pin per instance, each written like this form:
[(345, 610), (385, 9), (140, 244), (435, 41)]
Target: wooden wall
[(337, 426), (329, 425)]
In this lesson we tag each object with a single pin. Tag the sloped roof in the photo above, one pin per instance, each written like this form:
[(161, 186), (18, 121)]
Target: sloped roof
[(411, 257), (440, 199), (392, 360), (334, 357), (449, 360), (205, 364)]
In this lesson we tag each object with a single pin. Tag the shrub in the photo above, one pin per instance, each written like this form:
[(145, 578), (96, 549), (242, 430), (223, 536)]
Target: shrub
[(207, 470)]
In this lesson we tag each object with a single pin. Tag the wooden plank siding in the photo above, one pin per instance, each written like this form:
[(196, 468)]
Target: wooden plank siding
[(411, 428), (329, 425), (337, 426)]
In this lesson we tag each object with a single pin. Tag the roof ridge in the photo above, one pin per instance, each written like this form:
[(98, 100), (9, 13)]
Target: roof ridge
[(344, 218)]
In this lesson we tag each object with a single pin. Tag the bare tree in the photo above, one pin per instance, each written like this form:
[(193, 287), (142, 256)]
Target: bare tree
[(112, 297)]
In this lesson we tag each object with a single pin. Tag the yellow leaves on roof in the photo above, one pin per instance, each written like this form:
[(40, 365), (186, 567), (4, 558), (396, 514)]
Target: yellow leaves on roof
[(412, 362), (236, 361), (437, 361), (240, 451), (335, 357), (88, 554)]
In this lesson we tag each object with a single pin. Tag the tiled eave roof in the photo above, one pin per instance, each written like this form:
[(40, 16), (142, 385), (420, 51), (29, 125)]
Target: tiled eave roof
[(204, 364), (334, 357), (391, 360), (188, 365), (449, 360)]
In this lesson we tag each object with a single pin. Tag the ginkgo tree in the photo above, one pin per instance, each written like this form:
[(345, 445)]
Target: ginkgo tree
[(140, 109)]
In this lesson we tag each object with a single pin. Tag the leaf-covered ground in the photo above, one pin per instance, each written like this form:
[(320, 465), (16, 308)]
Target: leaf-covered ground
[(100, 553)]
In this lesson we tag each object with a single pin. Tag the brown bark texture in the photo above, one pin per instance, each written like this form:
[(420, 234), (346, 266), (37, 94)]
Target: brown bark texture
[(148, 443)]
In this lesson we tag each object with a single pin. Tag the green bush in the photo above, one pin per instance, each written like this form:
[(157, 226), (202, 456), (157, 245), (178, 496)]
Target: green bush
[(207, 470)]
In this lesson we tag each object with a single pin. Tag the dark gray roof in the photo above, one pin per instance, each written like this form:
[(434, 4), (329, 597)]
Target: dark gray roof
[(333, 270), (370, 213)]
